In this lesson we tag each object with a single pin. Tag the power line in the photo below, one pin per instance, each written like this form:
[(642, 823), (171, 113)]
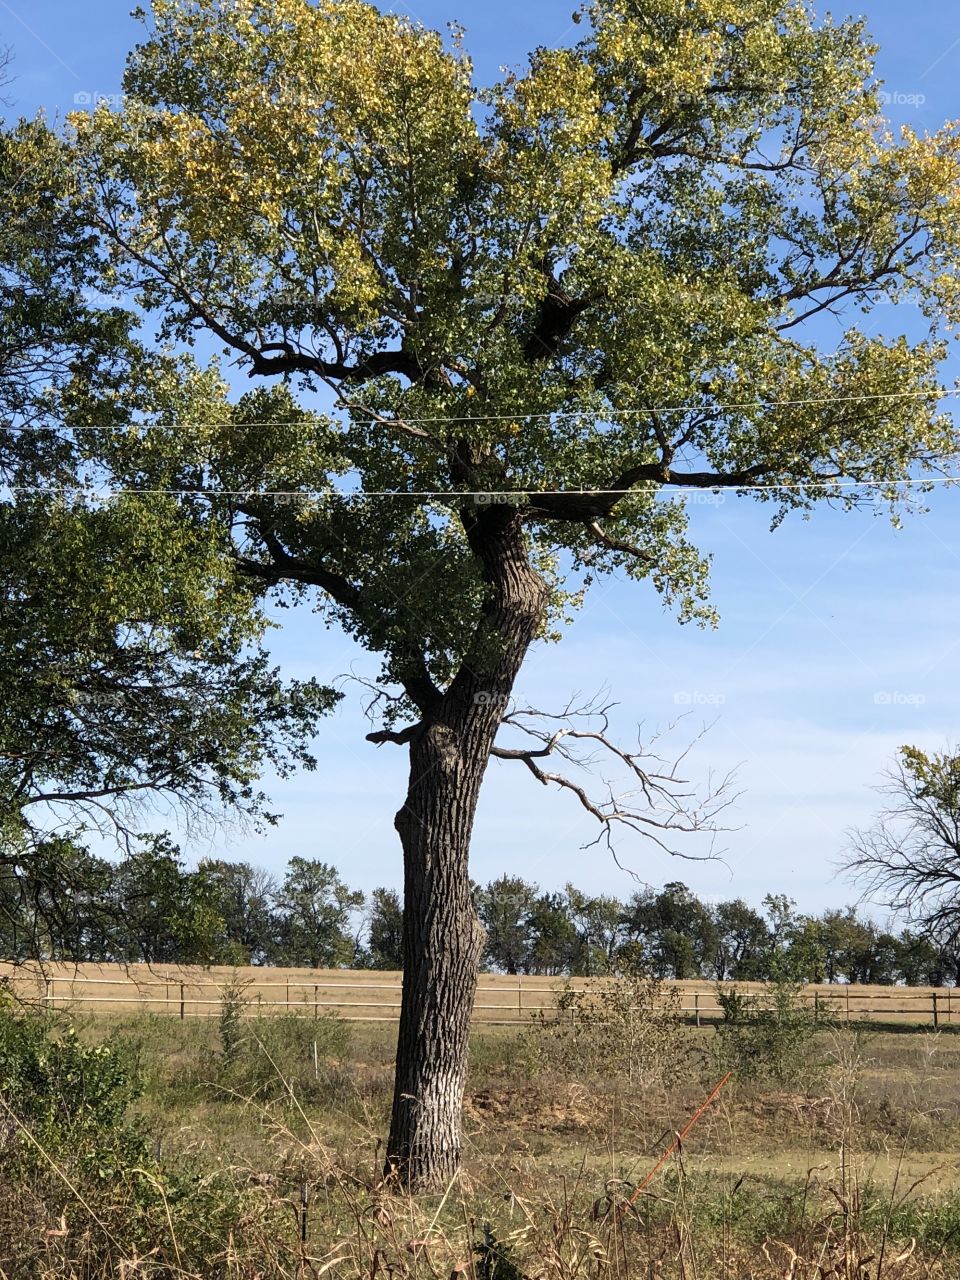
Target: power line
[(481, 496), (603, 414)]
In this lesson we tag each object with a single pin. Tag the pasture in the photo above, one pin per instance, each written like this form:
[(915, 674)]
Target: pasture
[(364, 995), (834, 1152)]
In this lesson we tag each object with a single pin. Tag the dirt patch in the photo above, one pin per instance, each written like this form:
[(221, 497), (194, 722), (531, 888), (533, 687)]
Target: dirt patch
[(568, 1108)]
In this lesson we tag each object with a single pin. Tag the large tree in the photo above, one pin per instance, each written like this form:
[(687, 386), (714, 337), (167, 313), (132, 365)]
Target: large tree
[(545, 309), (245, 897), (675, 928), (384, 930), (506, 907), (316, 909), (131, 664), (741, 941)]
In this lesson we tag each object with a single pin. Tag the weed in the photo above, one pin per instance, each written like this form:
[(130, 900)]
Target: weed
[(229, 1024)]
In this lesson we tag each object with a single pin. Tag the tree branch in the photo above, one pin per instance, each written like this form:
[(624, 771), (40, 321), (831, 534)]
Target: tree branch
[(658, 803), (588, 506)]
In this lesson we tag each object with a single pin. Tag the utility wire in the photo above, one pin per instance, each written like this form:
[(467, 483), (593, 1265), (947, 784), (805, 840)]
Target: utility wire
[(490, 496), (602, 414)]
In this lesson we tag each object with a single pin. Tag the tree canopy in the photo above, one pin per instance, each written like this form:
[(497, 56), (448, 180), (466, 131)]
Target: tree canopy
[(599, 274)]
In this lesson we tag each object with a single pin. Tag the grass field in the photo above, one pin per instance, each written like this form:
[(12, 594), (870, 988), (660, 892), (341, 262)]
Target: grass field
[(847, 1167)]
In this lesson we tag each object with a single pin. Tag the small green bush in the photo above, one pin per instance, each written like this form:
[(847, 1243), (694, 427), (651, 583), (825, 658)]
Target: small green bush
[(771, 1036), (68, 1096), (230, 1021), (79, 1187)]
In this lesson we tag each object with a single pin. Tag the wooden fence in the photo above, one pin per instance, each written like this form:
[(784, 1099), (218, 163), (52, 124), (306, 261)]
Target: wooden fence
[(371, 996)]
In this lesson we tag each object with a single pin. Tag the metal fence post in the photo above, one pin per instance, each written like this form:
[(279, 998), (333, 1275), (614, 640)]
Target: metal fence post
[(304, 1208), (183, 1003)]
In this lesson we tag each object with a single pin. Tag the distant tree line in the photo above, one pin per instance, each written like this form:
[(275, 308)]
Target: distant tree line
[(680, 936), (151, 907)]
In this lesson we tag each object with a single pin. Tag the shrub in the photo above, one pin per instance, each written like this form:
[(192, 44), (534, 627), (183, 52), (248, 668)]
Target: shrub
[(770, 1036), (229, 1023), (79, 1191), (71, 1097), (628, 1026), (268, 1056)]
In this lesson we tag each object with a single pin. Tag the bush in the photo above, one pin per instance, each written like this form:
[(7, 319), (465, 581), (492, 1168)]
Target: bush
[(70, 1097), (230, 1021), (770, 1036), (628, 1026), (80, 1193)]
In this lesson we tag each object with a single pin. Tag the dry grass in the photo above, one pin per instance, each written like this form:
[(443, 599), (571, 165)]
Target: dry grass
[(856, 1177)]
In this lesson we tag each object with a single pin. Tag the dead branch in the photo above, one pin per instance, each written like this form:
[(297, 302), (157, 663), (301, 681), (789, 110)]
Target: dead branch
[(657, 801)]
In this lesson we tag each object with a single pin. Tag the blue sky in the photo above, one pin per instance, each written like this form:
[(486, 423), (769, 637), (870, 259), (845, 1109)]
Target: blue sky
[(838, 638)]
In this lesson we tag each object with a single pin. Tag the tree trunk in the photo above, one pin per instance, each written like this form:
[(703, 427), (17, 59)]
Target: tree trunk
[(442, 934)]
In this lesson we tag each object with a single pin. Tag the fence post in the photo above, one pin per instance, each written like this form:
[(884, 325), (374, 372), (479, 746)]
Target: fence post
[(304, 1208), (696, 1006), (183, 1003), (519, 997), (288, 991), (48, 994), (936, 1012), (847, 998), (316, 1004)]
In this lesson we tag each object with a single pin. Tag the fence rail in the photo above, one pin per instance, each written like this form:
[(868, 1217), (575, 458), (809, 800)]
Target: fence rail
[(359, 996)]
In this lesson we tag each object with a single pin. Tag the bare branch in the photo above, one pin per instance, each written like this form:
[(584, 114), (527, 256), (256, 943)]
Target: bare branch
[(395, 424), (657, 802), (909, 860), (615, 544)]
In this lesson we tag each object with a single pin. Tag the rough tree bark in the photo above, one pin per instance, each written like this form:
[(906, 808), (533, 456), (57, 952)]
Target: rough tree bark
[(442, 936)]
